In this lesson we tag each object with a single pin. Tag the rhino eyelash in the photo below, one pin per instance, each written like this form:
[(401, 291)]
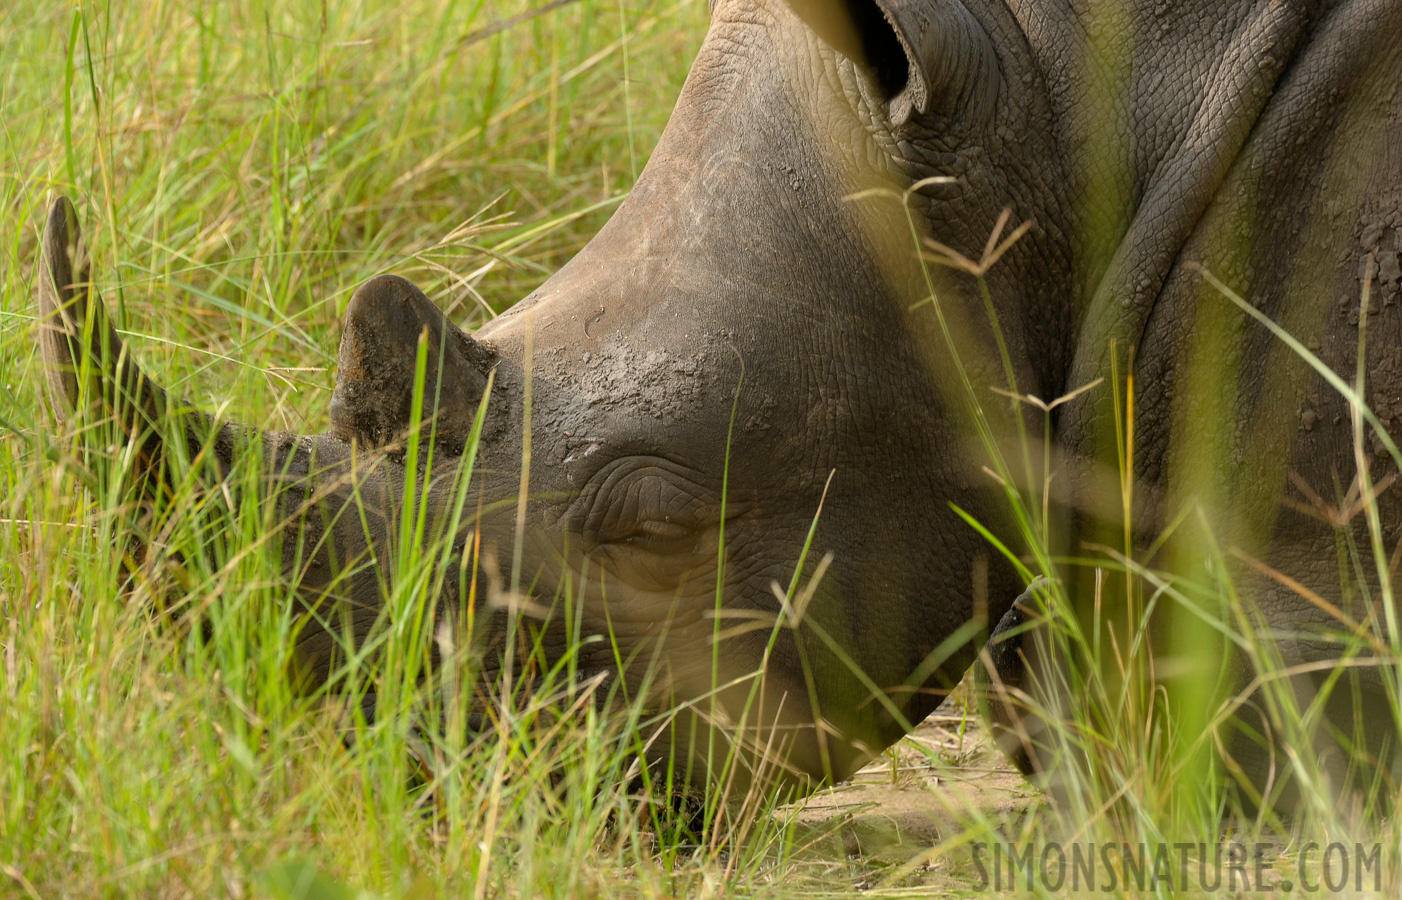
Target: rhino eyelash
[(654, 534)]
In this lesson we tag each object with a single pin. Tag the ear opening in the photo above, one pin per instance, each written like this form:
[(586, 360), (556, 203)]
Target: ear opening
[(859, 30), (921, 54), (882, 50)]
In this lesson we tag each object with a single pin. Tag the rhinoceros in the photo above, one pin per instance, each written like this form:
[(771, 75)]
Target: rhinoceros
[(792, 341)]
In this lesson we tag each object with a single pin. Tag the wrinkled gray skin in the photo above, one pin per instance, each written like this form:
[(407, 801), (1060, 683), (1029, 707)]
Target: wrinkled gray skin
[(1262, 139)]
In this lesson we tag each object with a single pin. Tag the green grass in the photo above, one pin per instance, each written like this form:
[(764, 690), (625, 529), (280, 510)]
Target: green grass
[(240, 168)]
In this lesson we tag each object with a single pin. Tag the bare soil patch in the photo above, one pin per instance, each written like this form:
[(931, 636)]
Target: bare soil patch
[(879, 831)]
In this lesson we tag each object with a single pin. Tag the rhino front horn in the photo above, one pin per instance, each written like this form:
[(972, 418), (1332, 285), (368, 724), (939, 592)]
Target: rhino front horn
[(88, 369), (93, 379), (375, 376)]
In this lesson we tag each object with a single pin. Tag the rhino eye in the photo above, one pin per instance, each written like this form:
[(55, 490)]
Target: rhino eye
[(662, 537), (648, 505)]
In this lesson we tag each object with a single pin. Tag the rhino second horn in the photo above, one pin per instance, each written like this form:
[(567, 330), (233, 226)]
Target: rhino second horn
[(375, 375)]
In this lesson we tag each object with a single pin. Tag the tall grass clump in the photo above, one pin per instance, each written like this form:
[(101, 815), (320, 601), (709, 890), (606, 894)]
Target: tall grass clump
[(1155, 666), (1162, 665), (240, 168)]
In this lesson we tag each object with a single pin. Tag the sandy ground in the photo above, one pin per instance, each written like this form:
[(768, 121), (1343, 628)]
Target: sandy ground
[(884, 825)]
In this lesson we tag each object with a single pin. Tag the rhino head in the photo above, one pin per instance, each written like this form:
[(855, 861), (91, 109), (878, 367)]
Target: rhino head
[(743, 344)]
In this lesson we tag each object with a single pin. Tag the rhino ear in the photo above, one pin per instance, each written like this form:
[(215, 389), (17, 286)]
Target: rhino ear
[(923, 56), (375, 369)]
